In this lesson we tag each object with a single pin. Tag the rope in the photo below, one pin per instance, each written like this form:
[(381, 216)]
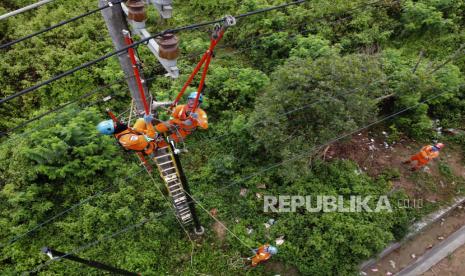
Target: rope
[(11, 43), (217, 220)]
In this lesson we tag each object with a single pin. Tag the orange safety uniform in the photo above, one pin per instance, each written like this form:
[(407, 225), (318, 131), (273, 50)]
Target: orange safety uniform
[(261, 255), (185, 121), (138, 138), (426, 154)]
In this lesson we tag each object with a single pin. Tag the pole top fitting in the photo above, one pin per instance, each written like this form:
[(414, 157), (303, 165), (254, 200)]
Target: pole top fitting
[(229, 21), (125, 32)]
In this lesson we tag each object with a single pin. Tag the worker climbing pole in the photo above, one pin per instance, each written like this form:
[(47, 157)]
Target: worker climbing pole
[(159, 143)]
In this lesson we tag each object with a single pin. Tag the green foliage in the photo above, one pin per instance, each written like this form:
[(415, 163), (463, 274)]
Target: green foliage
[(323, 64)]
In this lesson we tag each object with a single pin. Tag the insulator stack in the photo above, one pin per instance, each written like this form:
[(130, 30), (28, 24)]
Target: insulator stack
[(169, 46)]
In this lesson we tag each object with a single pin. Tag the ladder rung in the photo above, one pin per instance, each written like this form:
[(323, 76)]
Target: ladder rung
[(182, 198), (162, 156), (165, 170), (184, 211), (162, 164), (175, 181), (169, 177), (173, 191), (186, 217)]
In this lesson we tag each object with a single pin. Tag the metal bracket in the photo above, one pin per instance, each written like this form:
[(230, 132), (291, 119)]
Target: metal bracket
[(229, 21)]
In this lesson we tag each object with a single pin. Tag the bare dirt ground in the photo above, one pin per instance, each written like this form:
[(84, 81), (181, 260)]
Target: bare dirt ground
[(453, 265), (374, 156), (419, 245)]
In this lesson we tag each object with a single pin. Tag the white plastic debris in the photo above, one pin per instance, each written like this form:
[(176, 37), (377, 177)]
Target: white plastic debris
[(249, 230), (267, 225), (374, 269), (363, 273), (243, 192), (392, 263), (261, 186), (271, 221), (384, 133), (413, 256), (388, 273), (258, 195), (280, 240), (440, 238)]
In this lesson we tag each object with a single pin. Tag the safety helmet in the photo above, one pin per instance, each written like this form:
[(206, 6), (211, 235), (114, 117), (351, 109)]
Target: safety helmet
[(272, 250), (439, 145), (106, 127), (193, 95)]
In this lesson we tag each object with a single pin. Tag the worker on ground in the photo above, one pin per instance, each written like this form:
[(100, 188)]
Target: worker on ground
[(139, 138), (184, 119), (263, 253), (426, 154)]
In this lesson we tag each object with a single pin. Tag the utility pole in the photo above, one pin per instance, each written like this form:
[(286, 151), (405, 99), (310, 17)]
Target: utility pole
[(116, 23), (52, 253)]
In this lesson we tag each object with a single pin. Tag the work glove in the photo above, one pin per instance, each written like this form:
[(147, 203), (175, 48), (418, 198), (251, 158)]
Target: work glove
[(148, 118)]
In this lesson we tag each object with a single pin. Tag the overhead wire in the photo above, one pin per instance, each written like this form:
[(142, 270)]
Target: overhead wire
[(24, 9), (11, 43), (234, 52), (371, 124), (123, 49)]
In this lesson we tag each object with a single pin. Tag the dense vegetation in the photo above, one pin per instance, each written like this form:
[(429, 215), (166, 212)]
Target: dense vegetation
[(282, 83)]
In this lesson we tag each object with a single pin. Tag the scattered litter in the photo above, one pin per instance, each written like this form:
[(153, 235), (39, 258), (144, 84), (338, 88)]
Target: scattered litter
[(374, 269), (280, 240), (258, 195), (392, 263), (267, 225), (384, 133), (363, 273), (243, 192), (440, 238), (261, 186), (372, 140), (236, 220), (372, 147), (360, 134), (388, 273), (386, 145), (271, 221), (429, 246), (413, 256), (249, 230), (460, 207)]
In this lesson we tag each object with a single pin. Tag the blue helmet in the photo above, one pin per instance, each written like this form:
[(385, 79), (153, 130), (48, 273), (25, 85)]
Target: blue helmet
[(272, 250), (106, 127), (193, 95)]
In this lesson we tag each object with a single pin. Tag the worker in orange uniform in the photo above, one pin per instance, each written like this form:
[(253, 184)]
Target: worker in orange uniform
[(184, 120), (139, 138), (426, 154), (263, 253)]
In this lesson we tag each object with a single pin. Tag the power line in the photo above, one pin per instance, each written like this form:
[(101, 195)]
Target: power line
[(11, 43), (87, 95), (253, 175), (94, 243), (24, 9), (175, 30), (40, 225), (297, 157)]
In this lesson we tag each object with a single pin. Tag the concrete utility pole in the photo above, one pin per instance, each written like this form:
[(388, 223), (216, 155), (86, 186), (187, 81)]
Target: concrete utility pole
[(116, 22), (52, 253)]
